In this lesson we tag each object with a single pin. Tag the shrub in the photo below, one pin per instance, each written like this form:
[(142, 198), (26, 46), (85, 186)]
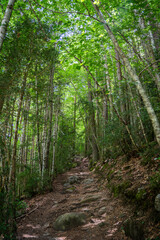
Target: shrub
[(155, 181)]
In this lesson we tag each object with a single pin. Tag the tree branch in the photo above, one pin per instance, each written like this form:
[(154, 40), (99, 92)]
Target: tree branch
[(24, 215), (148, 67), (70, 12), (85, 67)]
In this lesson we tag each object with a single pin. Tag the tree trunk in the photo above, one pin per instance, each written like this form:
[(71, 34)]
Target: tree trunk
[(87, 142), (108, 82), (45, 128), (150, 55), (38, 126), (155, 34), (5, 21), (23, 139), (134, 76), (13, 171), (55, 133), (1, 102), (47, 165), (74, 125), (119, 77), (138, 115), (92, 124)]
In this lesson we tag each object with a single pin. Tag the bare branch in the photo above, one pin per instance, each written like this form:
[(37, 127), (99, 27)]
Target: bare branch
[(25, 215)]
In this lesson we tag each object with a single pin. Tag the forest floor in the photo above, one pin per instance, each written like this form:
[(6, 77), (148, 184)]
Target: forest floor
[(105, 213)]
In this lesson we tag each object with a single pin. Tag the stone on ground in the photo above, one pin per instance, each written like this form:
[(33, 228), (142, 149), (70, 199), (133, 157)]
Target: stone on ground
[(88, 181), (73, 179), (91, 198), (157, 203), (102, 210), (69, 220)]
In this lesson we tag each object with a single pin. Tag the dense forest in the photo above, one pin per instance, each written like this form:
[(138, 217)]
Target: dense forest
[(78, 77)]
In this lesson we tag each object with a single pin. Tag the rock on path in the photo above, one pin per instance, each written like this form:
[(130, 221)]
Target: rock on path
[(69, 220), (76, 193)]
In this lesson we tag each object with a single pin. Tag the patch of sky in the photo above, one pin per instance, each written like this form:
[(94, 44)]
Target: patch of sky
[(40, 9)]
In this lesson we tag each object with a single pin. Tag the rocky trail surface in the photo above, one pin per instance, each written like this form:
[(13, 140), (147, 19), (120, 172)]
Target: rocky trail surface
[(76, 191)]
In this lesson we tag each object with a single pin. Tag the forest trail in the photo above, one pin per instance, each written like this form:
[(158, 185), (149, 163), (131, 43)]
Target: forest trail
[(105, 214)]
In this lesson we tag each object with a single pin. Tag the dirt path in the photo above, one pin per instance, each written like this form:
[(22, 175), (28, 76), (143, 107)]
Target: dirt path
[(105, 214)]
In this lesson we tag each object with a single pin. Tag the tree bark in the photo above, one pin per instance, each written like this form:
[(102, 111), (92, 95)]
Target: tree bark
[(119, 77), (108, 82), (5, 21), (55, 133), (92, 124), (13, 171), (138, 114), (74, 125), (23, 139), (47, 165), (38, 126), (1, 102)]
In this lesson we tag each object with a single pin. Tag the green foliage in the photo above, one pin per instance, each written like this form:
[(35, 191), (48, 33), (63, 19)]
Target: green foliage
[(141, 194), (155, 181), (117, 141), (30, 181), (20, 207), (120, 188), (7, 208), (65, 147), (2, 212), (148, 153), (110, 175), (79, 49), (46, 183)]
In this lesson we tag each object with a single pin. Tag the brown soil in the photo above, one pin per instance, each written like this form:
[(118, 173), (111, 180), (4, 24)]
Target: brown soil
[(44, 209)]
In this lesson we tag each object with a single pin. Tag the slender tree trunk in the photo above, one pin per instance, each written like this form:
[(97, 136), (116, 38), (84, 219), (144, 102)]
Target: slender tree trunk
[(86, 146), (23, 140), (45, 127), (142, 59), (74, 125), (55, 134), (119, 77), (92, 125), (1, 102), (126, 126), (150, 55), (32, 157), (27, 140), (11, 130), (38, 127), (105, 121), (138, 115), (120, 117), (47, 165), (134, 76), (4, 135), (5, 21), (105, 110), (108, 82), (13, 171), (155, 34)]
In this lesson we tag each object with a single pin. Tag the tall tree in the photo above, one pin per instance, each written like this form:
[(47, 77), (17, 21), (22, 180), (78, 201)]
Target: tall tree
[(92, 124), (134, 76), (5, 21)]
